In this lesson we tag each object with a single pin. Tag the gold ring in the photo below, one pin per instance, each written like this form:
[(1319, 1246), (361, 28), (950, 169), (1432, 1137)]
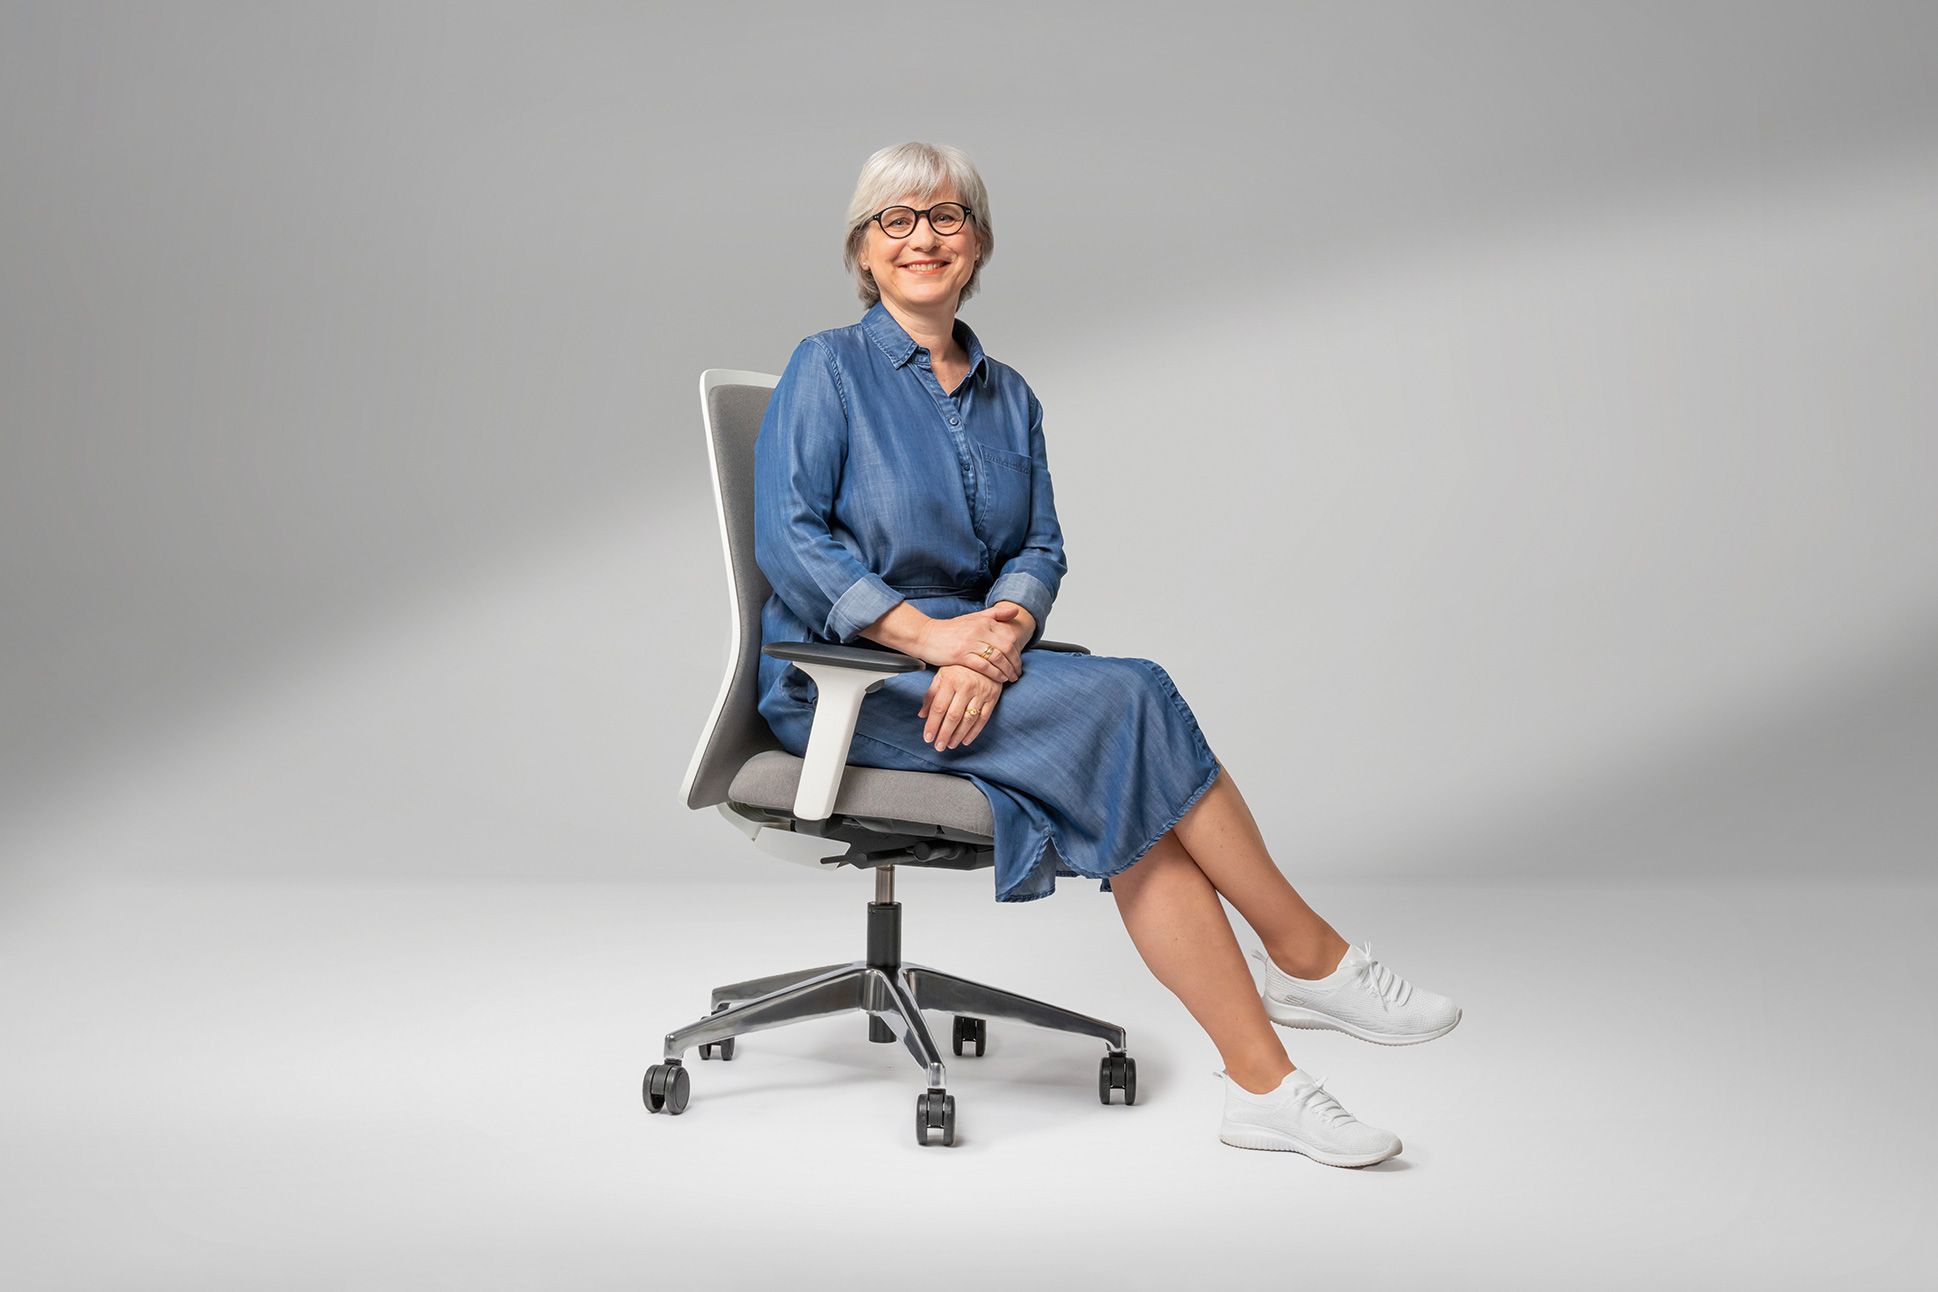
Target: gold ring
[(987, 650), (970, 712)]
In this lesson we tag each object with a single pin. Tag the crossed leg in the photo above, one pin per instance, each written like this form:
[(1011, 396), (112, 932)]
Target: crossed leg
[(1169, 904)]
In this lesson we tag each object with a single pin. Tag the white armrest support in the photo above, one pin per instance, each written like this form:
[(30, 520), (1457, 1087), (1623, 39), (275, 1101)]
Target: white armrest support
[(836, 710), (842, 675)]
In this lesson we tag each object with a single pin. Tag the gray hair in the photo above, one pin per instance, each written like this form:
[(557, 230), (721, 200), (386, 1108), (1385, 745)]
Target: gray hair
[(919, 171)]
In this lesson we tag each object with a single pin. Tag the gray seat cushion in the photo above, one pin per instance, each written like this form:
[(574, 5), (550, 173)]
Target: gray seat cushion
[(768, 780)]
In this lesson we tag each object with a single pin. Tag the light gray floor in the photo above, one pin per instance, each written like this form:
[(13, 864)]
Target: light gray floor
[(235, 1084)]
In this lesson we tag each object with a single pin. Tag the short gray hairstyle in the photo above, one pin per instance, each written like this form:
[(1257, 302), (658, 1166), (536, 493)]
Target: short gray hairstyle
[(920, 171)]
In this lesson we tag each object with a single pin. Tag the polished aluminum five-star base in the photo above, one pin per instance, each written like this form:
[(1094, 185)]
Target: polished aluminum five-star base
[(893, 995)]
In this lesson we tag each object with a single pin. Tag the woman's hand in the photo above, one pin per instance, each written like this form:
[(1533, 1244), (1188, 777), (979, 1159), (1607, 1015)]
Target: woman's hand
[(955, 690), (988, 642)]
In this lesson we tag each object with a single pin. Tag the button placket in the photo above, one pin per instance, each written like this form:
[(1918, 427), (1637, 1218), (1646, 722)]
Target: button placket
[(951, 413)]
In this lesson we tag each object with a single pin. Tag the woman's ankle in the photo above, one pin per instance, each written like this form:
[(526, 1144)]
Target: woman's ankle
[(1259, 1079), (1311, 961)]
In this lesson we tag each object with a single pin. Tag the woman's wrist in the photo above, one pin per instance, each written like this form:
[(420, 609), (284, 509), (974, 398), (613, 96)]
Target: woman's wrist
[(1023, 617), (902, 629)]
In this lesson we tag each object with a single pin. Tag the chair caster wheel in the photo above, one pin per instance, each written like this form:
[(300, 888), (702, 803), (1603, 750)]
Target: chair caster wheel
[(666, 1088), (724, 1047), (935, 1110), (1119, 1072), (970, 1029)]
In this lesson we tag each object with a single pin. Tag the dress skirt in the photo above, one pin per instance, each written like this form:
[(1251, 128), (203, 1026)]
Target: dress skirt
[(1087, 760)]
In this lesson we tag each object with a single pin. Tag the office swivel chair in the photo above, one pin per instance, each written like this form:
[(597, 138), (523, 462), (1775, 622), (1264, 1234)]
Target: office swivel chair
[(822, 812)]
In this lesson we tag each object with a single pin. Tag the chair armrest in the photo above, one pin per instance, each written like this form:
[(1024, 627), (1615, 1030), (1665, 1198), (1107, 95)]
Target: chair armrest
[(1068, 648), (892, 661), (842, 676)]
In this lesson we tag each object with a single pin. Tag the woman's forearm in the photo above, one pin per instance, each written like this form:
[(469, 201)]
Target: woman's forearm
[(900, 629)]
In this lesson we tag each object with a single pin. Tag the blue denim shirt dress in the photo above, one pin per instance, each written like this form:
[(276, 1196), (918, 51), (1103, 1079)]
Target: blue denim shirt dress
[(874, 486)]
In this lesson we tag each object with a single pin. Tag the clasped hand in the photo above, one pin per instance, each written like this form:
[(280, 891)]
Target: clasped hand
[(975, 656)]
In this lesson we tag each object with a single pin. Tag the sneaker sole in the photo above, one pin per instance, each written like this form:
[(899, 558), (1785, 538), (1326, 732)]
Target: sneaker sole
[(1243, 1135), (1298, 1016)]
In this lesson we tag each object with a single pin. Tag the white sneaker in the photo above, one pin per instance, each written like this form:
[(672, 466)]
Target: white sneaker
[(1300, 1116), (1361, 998)]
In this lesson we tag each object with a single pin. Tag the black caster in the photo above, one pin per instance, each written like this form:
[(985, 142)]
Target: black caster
[(935, 1111), (724, 1047), (1119, 1072), (970, 1029), (666, 1088)]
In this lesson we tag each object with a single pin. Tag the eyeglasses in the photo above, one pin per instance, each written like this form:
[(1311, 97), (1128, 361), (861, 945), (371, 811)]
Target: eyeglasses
[(944, 217)]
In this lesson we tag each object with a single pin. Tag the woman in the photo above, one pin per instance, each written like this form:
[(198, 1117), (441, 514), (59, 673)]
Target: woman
[(903, 495)]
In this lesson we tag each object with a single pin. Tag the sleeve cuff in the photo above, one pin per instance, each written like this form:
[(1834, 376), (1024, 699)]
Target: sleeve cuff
[(1027, 591), (866, 600)]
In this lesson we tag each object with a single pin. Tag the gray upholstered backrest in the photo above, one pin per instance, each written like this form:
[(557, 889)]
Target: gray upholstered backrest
[(734, 403)]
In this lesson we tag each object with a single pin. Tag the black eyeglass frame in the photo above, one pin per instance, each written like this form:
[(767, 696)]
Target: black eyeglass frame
[(968, 216)]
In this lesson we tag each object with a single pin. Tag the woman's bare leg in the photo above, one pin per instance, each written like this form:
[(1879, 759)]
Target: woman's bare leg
[(1225, 842), (1179, 927)]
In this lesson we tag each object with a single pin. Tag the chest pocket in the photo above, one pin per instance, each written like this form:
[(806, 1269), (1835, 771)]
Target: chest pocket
[(1003, 498)]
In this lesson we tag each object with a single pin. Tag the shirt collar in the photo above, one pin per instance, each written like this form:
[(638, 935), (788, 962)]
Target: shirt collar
[(900, 347)]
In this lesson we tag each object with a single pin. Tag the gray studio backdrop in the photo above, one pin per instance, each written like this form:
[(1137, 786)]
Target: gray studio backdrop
[(1512, 425)]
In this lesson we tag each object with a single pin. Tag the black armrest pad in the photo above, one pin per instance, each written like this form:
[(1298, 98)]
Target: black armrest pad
[(1068, 648), (884, 661)]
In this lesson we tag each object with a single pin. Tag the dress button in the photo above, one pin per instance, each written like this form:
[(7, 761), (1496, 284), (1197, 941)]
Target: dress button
[(952, 421)]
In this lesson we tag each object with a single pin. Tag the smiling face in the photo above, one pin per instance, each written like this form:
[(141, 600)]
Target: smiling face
[(925, 270)]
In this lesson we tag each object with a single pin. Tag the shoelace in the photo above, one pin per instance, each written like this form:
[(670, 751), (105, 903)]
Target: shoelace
[(1316, 1099), (1320, 1104), (1381, 981)]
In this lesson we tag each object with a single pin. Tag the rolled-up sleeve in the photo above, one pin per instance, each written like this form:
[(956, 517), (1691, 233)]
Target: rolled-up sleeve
[(1032, 577), (798, 461)]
